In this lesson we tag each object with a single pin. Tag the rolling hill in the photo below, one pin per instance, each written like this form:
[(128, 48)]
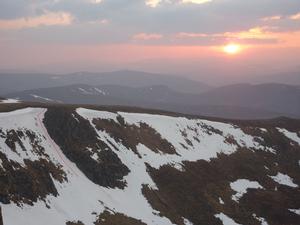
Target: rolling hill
[(15, 82), (241, 101)]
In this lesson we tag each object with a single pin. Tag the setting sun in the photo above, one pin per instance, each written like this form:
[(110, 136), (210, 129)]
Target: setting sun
[(232, 49)]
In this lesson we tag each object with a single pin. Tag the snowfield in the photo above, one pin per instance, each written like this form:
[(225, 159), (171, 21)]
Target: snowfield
[(81, 199)]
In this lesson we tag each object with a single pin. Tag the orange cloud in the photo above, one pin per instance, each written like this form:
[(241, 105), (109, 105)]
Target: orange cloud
[(146, 37), (191, 35), (295, 17), (253, 33), (155, 3), (264, 36), (283, 39), (48, 19)]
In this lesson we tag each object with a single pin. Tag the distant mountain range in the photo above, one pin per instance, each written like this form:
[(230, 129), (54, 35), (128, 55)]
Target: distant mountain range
[(241, 101), (280, 98), (291, 78), (14, 82)]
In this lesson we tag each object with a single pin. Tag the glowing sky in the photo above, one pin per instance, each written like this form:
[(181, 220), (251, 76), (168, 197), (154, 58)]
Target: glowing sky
[(170, 36)]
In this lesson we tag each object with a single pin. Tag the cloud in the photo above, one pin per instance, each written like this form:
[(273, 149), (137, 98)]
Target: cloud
[(196, 1), (279, 17), (184, 22), (95, 1), (295, 17), (104, 21), (152, 3), (272, 18), (155, 3), (47, 19), (147, 37), (101, 21), (255, 35), (266, 35), (191, 35)]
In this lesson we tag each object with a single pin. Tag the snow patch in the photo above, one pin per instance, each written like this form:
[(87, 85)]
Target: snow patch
[(225, 219), (84, 91), (290, 135), (100, 91), (296, 211), (43, 98), (221, 201), (92, 91), (91, 114), (240, 187), (260, 219), (264, 130), (284, 179), (187, 222), (73, 115), (9, 101)]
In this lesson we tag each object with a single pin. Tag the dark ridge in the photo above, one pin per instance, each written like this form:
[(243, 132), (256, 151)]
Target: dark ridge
[(74, 223), (132, 109), (79, 141), (106, 218)]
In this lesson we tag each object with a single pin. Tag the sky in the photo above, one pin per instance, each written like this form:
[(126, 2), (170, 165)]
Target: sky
[(187, 37)]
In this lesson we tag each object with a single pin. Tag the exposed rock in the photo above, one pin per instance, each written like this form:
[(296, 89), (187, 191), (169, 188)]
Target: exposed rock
[(29, 183), (79, 141), (132, 135), (107, 218)]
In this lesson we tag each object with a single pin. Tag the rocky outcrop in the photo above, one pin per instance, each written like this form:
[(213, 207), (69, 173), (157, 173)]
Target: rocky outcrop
[(107, 218), (79, 141), (132, 135)]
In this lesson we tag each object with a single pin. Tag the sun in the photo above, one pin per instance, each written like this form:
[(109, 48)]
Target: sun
[(232, 49)]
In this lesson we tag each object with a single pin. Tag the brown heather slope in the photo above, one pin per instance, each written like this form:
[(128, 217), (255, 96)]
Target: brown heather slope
[(1, 219)]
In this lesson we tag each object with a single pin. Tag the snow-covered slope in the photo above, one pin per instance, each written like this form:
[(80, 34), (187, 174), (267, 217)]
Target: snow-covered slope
[(82, 166), (8, 101)]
